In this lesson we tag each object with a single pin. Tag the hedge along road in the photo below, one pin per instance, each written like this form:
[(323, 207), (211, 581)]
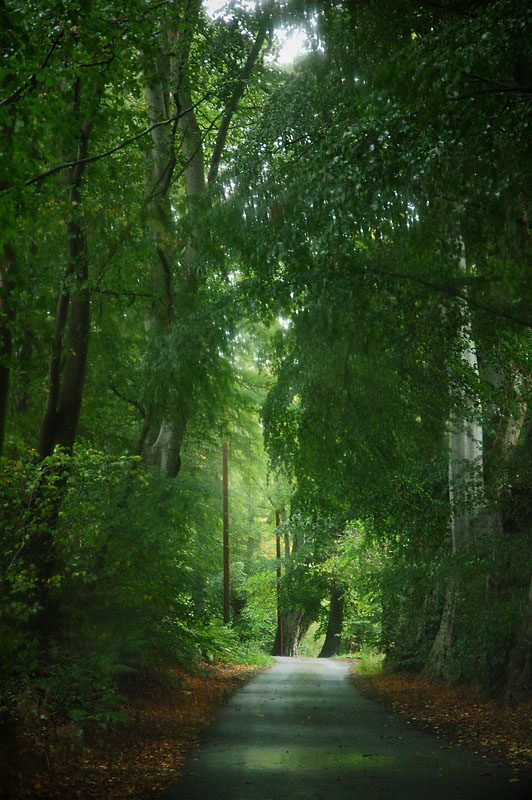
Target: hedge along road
[(301, 730)]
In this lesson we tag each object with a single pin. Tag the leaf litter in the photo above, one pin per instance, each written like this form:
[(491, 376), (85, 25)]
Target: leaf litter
[(461, 715), (167, 709)]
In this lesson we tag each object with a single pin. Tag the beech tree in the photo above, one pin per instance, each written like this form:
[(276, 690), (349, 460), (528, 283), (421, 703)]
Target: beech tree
[(176, 282), (411, 144), (116, 299), (190, 232)]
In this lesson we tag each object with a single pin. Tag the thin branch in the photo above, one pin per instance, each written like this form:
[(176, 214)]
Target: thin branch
[(289, 143), (122, 293), (237, 93), (459, 9), (495, 87), (103, 62), (454, 293), (115, 149), (140, 408), (306, 149), (508, 90), (32, 80), (154, 6)]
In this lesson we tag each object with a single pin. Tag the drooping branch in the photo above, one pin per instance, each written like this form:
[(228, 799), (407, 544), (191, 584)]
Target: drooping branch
[(115, 149), (458, 8), (493, 87), (454, 291)]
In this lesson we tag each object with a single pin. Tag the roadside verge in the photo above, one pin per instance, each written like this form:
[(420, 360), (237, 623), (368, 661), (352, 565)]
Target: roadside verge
[(461, 715)]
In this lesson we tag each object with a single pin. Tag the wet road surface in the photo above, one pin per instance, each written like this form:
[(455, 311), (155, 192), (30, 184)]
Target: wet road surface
[(300, 730)]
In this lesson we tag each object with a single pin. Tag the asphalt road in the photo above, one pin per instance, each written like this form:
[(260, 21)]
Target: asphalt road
[(300, 730)]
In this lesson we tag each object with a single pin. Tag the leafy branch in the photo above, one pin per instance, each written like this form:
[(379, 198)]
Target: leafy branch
[(455, 292), (91, 159), (32, 82)]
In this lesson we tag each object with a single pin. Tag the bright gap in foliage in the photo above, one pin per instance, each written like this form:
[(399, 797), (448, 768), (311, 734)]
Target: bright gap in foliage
[(291, 43)]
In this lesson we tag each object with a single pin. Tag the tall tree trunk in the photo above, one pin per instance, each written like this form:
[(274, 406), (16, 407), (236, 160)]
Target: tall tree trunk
[(465, 496), (277, 647), (173, 284), (290, 634), (295, 626), (519, 680), (332, 643), (286, 537), (66, 374), (278, 644), (176, 286), (7, 259), (66, 380), (473, 517), (292, 623), (68, 361), (519, 672)]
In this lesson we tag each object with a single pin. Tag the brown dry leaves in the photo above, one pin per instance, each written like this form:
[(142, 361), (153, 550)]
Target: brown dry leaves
[(168, 713), (460, 714)]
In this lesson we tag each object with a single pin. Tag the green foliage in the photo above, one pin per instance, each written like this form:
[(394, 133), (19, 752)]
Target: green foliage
[(313, 642), (324, 285), (122, 583), (371, 662), (85, 686), (259, 613), (355, 225)]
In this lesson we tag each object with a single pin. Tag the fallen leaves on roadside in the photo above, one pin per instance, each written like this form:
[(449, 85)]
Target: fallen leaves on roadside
[(488, 726), (168, 712)]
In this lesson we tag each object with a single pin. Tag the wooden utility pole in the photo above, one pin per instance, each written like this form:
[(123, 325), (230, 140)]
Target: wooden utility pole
[(286, 538), (278, 553), (225, 516)]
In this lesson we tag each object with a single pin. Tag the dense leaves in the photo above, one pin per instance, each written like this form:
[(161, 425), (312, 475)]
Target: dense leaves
[(386, 205), (191, 232)]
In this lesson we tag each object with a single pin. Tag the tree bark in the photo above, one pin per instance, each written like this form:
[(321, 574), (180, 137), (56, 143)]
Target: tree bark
[(278, 644), (68, 361), (7, 259), (295, 627), (66, 380), (292, 623), (277, 647), (225, 521), (65, 386), (176, 280), (519, 681), (172, 284), (286, 537), (519, 672), (332, 643), (465, 496), (289, 636)]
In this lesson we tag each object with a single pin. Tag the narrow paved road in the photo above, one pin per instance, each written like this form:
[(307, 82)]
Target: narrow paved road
[(301, 731)]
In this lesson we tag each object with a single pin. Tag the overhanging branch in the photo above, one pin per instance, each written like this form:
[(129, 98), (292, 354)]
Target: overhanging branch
[(31, 82), (456, 293), (115, 149), (237, 93)]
